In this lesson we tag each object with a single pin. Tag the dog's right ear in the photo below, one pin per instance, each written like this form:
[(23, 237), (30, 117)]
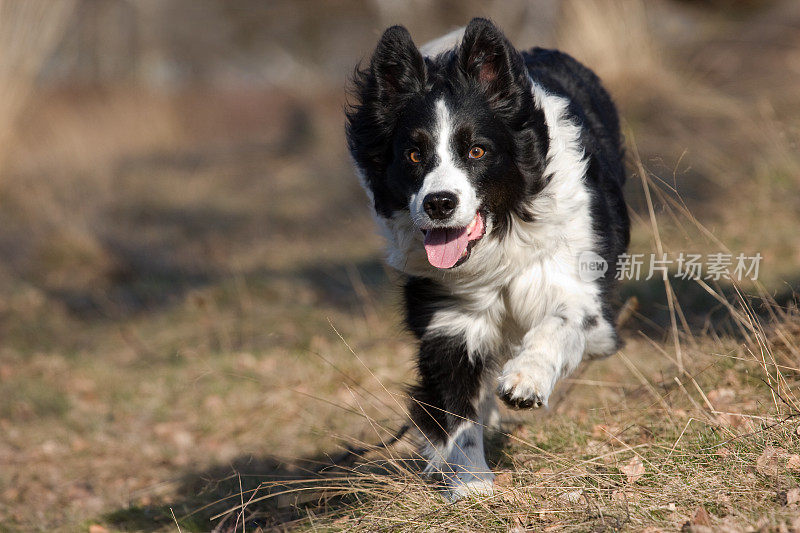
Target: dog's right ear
[(395, 73), (397, 66)]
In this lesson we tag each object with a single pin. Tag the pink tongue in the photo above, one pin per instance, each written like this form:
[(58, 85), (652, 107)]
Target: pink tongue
[(445, 246)]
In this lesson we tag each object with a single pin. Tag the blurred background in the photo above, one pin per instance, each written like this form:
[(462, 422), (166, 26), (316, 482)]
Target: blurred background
[(183, 242)]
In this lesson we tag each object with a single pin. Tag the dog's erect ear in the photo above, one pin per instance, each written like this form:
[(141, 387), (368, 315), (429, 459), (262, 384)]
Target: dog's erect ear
[(487, 56), (397, 66)]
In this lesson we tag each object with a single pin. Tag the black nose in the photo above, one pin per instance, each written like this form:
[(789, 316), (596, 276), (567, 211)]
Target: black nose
[(440, 205)]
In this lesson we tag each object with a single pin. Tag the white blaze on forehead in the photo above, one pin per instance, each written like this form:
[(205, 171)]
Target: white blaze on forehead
[(446, 177), (444, 132)]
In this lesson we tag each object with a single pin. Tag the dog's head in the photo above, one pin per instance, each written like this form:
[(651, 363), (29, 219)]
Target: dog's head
[(449, 147)]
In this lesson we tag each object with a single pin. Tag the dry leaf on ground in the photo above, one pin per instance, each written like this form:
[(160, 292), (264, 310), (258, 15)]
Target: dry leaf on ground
[(701, 517), (572, 496), (503, 479), (634, 469), (770, 461)]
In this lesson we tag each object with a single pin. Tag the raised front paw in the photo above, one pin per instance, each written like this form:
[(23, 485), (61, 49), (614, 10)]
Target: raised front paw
[(523, 385), (517, 402)]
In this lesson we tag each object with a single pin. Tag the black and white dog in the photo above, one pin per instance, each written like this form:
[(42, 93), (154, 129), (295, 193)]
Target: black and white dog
[(492, 173)]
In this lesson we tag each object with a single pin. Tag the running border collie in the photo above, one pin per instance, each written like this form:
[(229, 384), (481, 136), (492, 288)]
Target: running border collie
[(492, 172)]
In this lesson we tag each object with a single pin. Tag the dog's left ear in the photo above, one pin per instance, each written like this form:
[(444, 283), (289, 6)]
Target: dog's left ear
[(487, 56)]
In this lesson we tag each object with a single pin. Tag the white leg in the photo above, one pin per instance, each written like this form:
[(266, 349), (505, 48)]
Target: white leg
[(462, 464), (549, 351)]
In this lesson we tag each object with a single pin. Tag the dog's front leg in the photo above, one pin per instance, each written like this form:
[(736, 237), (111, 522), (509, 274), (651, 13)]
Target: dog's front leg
[(445, 407), (550, 350)]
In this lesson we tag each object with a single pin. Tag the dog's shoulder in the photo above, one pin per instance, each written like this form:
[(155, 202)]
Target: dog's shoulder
[(589, 102), (591, 107)]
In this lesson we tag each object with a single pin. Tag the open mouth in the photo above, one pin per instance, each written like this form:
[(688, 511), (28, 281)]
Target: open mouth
[(449, 247)]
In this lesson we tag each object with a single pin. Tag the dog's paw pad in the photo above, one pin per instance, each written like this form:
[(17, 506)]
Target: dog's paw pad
[(517, 402), (524, 386)]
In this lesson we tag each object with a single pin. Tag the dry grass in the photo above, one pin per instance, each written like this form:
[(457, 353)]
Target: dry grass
[(656, 456), (704, 433), (174, 266)]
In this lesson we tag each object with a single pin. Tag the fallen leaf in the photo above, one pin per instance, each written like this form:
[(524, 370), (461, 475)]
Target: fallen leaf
[(720, 397), (769, 462), (634, 469), (701, 517), (734, 420), (503, 479), (793, 496), (97, 528), (794, 462), (572, 496)]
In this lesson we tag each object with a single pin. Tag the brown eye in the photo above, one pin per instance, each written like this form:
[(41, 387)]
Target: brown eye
[(414, 156), (476, 152)]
